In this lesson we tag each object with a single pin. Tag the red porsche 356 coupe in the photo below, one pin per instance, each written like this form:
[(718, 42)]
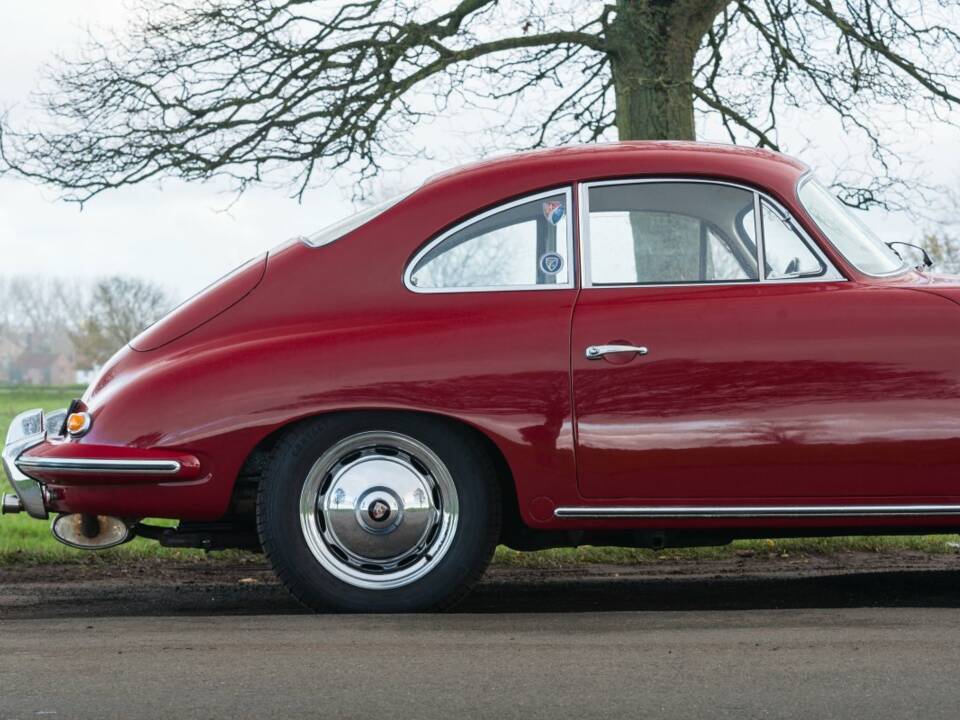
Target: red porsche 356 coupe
[(638, 344)]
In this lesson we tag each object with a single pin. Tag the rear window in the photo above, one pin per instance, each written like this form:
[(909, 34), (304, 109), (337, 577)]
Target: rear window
[(524, 244)]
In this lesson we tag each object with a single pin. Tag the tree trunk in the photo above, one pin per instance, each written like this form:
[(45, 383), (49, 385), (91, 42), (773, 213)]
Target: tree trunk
[(653, 47)]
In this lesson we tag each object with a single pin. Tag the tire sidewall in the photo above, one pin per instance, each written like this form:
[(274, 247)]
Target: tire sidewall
[(278, 510)]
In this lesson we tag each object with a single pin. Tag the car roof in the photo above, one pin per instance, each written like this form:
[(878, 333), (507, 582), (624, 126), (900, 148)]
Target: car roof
[(636, 157), (451, 196)]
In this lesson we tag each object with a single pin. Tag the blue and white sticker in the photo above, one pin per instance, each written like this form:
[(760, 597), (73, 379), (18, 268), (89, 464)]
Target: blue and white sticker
[(551, 263), (553, 211)]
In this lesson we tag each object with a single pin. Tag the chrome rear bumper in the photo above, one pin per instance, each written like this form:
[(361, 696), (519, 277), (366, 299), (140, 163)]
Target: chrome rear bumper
[(27, 430)]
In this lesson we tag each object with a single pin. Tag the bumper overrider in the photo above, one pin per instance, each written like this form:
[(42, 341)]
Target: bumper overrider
[(37, 457), (27, 431)]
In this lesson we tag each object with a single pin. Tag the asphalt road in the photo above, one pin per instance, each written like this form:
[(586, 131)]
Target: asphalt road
[(787, 644)]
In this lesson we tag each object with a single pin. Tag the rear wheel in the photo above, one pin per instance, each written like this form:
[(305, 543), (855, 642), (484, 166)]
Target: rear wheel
[(379, 512)]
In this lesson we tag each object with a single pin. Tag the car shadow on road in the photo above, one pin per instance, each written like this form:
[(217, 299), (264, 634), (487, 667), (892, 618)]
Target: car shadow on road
[(925, 588)]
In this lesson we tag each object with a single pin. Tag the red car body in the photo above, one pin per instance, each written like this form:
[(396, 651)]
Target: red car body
[(756, 405)]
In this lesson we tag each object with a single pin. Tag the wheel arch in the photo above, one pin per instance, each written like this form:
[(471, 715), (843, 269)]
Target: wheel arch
[(250, 475)]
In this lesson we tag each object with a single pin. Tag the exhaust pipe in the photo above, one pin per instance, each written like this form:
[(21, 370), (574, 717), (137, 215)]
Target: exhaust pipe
[(91, 532), (10, 505)]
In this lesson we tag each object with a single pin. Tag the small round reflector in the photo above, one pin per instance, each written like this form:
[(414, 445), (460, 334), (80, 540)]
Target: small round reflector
[(78, 423)]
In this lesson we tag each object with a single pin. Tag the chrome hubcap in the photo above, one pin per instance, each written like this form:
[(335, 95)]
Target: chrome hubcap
[(379, 510)]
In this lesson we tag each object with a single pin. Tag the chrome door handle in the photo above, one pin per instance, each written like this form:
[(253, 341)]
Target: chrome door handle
[(595, 352)]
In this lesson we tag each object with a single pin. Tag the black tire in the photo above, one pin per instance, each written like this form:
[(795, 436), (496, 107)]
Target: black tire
[(301, 569)]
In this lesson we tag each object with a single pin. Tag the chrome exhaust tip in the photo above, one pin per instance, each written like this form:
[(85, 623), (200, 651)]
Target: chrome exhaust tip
[(10, 505), (91, 532)]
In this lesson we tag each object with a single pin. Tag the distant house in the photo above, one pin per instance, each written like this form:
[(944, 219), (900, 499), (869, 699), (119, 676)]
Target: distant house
[(10, 350), (39, 368)]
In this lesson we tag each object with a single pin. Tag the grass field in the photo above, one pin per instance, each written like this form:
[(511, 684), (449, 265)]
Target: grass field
[(25, 540)]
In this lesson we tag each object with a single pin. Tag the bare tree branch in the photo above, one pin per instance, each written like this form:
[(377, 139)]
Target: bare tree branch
[(294, 89), (860, 61), (234, 88)]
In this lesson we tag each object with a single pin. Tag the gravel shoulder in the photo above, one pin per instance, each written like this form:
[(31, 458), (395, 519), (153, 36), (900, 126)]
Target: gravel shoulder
[(164, 588)]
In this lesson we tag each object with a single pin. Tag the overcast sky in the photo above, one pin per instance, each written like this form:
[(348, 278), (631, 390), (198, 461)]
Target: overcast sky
[(185, 236)]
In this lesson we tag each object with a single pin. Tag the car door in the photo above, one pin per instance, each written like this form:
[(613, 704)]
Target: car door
[(706, 365)]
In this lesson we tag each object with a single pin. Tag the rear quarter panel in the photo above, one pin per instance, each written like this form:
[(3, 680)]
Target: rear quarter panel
[(331, 329)]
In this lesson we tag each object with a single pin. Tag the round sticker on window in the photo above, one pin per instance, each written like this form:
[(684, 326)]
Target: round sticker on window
[(551, 263), (553, 211)]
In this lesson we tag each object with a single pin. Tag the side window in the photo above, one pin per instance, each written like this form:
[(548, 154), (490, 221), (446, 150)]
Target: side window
[(522, 245), (669, 232), (786, 255)]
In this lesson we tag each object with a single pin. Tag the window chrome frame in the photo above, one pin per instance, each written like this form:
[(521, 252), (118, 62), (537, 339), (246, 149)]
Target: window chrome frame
[(565, 190), (830, 273), (810, 176)]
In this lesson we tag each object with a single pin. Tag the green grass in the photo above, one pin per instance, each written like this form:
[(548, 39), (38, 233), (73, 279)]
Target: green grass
[(16, 399), (25, 540)]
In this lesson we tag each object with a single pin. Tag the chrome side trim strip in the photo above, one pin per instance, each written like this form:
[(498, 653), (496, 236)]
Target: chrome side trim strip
[(755, 511), (100, 466)]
